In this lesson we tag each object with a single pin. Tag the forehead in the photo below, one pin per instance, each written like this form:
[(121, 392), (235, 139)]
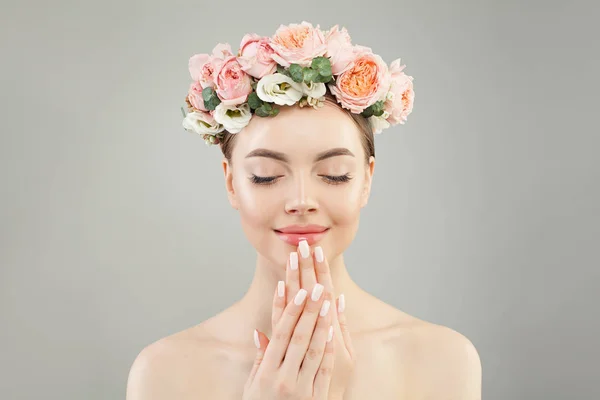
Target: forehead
[(300, 132)]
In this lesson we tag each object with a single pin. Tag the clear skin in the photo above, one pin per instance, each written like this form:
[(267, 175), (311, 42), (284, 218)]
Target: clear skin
[(376, 350)]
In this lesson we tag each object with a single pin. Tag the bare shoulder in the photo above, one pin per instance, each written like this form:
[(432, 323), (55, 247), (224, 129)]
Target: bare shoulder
[(443, 363), (447, 364), (180, 366)]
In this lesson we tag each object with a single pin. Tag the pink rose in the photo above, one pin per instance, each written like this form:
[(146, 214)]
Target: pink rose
[(232, 84), (297, 44), (365, 83), (202, 66), (400, 105), (195, 96), (256, 56), (339, 50)]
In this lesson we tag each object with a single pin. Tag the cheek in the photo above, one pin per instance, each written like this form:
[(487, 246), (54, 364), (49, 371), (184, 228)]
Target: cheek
[(344, 204)]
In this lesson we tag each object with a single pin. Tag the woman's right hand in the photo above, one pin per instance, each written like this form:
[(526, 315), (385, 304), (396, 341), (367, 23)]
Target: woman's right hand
[(297, 363)]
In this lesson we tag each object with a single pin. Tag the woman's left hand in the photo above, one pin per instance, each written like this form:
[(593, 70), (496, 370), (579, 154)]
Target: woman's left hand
[(304, 269)]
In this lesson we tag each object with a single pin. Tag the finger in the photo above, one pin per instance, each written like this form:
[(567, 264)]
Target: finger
[(316, 348), (308, 278), (279, 302), (323, 375), (303, 332), (323, 273), (341, 317), (283, 330), (292, 276), (261, 342)]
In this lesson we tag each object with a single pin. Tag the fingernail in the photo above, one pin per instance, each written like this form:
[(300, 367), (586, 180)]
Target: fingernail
[(304, 250), (300, 296), (256, 340), (319, 253), (280, 288), (317, 292), (342, 303), (293, 260), (330, 336), (325, 308)]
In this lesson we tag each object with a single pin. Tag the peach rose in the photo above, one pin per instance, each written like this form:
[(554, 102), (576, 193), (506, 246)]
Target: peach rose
[(401, 97), (195, 96), (365, 83), (297, 44), (339, 50), (203, 66), (232, 84), (255, 56)]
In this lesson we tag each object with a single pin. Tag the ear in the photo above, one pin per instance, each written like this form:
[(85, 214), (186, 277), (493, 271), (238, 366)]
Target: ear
[(366, 192), (228, 172)]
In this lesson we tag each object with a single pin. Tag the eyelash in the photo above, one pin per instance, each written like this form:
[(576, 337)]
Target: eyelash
[(270, 180)]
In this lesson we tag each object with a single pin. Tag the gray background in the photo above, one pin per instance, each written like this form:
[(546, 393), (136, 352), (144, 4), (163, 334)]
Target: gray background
[(116, 231)]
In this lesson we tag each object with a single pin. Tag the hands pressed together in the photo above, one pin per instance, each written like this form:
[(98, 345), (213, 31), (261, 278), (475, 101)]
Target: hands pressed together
[(309, 336)]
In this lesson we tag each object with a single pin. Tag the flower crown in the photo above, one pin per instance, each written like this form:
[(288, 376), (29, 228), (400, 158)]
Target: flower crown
[(298, 64)]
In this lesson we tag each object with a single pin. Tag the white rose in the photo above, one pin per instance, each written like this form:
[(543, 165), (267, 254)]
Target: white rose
[(202, 123), (379, 123), (234, 118), (279, 89), (315, 90)]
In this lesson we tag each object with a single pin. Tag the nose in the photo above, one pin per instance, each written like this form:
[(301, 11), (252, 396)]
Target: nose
[(301, 199)]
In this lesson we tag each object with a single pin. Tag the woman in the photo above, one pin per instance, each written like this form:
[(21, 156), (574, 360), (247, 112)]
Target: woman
[(297, 139)]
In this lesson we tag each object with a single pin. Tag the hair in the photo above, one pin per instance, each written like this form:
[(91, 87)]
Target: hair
[(366, 132)]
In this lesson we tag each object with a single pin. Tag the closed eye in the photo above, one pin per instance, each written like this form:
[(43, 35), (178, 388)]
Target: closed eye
[(336, 179), (263, 180), (331, 179)]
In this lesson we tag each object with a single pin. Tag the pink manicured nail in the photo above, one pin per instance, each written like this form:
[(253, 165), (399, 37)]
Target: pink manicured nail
[(294, 260), (280, 288), (304, 249), (330, 336), (317, 292), (300, 296), (319, 253), (325, 308), (342, 303), (256, 340)]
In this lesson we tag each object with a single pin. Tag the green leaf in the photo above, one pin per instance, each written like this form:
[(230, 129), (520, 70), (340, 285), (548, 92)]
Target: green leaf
[(261, 112), (211, 100), (367, 112), (207, 93), (378, 108), (320, 63), (254, 101), (275, 112), (296, 73), (310, 75), (282, 70), (323, 79)]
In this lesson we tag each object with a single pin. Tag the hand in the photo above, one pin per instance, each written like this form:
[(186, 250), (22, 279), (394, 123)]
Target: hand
[(296, 363), (304, 273)]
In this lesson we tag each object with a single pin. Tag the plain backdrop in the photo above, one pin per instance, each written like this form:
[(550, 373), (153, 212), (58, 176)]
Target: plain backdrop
[(116, 230)]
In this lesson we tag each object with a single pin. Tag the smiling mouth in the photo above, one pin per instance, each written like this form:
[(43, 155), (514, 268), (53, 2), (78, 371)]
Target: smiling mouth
[(294, 236)]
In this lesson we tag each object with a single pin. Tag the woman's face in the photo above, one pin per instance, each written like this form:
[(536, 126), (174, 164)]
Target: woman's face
[(300, 174)]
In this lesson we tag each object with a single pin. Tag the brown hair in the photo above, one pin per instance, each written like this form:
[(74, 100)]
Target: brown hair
[(361, 122)]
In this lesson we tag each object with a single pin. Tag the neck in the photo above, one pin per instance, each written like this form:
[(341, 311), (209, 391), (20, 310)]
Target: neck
[(257, 303)]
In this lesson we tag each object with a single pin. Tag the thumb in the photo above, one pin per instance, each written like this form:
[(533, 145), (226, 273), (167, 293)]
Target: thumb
[(261, 342)]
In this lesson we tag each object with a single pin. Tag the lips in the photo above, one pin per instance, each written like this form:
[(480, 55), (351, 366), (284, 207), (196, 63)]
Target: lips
[(298, 229), (293, 234)]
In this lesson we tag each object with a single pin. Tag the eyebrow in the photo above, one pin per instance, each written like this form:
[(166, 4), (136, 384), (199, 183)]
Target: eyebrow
[(276, 155)]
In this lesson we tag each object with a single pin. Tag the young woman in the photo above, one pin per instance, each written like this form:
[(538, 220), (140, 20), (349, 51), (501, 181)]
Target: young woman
[(298, 165)]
